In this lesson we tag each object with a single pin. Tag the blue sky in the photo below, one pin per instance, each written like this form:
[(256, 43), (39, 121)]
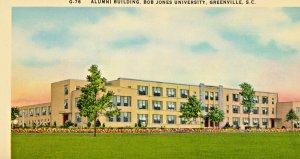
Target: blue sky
[(214, 46)]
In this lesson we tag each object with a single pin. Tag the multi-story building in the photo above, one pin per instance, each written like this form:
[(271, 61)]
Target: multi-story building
[(282, 110), (155, 104)]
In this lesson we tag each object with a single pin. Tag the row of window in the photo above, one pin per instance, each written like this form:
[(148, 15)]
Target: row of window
[(245, 121), (158, 92), (36, 122), (66, 89), (143, 119), (37, 111), (255, 110), (256, 99), (158, 105)]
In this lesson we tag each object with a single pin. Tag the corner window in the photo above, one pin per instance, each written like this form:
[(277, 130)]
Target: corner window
[(216, 96), (66, 90), (66, 104)]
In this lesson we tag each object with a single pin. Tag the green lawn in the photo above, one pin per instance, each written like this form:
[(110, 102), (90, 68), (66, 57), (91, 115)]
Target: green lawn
[(143, 146)]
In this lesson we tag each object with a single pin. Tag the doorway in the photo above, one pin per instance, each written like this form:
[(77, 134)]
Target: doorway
[(65, 118)]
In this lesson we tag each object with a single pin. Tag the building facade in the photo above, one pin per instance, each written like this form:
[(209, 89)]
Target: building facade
[(283, 108), (155, 104)]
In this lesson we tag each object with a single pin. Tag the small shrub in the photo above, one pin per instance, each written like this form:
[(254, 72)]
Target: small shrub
[(283, 127), (257, 126), (237, 127), (68, 123), (89, 124), (227, 125), (98, 123), (135, 125), (54, 124), (139, 124), (247, 127), (103, 125)]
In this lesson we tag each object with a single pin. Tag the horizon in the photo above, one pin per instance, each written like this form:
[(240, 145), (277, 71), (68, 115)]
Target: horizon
[(215, 46)]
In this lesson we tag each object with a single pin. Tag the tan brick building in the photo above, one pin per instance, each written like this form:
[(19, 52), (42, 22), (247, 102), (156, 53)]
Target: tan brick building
[(155, 104), (282, 110)]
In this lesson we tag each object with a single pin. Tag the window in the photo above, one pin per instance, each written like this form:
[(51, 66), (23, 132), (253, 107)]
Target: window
[(157, 119), (227, 109), (118, 118), (157, 105), (256, 99), (235, 109), (171, 106), (49, 110), (110, 119), (216, 96), (184, 93), (298, 110), (37, 111), (265, 110), (183, 121), (182, 105), (31, 112), (142, 90), (122, 101), (206, 108), (273, 101), (43, 110), (255, 110), (273, 111), (142, 104), (227, 98), (171, 92), (77, 88), (245, 121), (66, 104), (142, 119), (126, 116), (255, 121), (235, 97), (235, 121), (245, 110), (76, 102), (66, 90), (211, 97), (265, 100), (265, 121), (21, 113), (77, 118), (206, 95), (157, 91), (171, 119)]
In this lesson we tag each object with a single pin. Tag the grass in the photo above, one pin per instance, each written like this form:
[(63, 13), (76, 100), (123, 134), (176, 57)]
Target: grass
[(144, 146)]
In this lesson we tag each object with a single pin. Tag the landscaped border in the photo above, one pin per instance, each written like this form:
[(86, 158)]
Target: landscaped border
[(126, 130)]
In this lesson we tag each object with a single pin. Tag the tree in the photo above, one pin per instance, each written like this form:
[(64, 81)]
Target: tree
[(248, 95), (14, 114), (192, 109), (215, 115), (89, 104), (291, 116)]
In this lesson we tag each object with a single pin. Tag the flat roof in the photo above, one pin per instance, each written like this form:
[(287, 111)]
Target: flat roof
[(131, 79)]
